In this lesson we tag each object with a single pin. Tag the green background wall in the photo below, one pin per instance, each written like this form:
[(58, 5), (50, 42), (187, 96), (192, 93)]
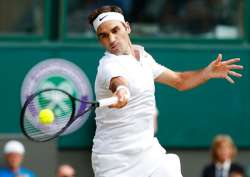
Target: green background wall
[(187, 119)]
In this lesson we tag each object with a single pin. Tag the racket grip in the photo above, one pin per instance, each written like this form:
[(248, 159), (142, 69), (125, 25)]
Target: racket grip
[(108, 101)]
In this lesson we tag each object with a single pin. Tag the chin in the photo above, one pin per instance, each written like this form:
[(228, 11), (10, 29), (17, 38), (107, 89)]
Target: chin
[(116, 52)]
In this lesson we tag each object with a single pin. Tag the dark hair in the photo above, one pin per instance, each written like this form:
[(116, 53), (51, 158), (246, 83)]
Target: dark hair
[(92, 16)]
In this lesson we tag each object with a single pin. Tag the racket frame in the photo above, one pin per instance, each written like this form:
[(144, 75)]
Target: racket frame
[(71, 119)]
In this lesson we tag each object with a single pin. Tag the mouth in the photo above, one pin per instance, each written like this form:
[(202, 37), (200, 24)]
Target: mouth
[(114, 46)]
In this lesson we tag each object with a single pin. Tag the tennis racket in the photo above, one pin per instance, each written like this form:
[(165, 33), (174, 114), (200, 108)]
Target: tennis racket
[(42, 119)]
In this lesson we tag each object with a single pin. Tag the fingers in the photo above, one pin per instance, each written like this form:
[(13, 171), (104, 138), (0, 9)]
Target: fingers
[(122, 99), (229, 79), (219, 58), (231, 61), (222, 68), (234, 74), (235, 67)]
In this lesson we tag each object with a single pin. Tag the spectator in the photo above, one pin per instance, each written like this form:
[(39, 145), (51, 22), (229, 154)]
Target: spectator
[(14, 154), (65, 171), (223, 152)]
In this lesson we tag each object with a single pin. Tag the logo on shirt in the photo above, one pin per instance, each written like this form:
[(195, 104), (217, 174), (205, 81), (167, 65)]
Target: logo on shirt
[(61, 74)]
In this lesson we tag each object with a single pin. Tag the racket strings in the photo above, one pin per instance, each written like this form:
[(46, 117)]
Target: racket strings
[(61, 106)]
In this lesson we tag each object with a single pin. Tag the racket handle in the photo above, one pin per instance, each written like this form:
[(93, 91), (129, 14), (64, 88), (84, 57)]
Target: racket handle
[(108, 101)]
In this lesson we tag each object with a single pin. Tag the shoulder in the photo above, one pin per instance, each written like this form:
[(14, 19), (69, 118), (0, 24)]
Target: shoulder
[(5, 172), (28, 172), (107, 58), (209, 167), (236, 167), (208, 170), (147, 57), (107, 62), (2, 169)]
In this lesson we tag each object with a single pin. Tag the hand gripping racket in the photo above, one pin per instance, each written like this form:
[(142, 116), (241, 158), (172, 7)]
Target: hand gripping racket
[(46, 114)]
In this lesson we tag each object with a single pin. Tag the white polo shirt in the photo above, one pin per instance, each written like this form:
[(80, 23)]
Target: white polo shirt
[(124, 143)]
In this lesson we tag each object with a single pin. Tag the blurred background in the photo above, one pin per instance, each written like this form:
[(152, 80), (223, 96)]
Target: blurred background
[(180, 34)]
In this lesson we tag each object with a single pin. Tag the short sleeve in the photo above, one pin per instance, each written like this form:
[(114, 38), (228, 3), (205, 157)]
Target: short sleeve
[(157, 68), (108, 70)]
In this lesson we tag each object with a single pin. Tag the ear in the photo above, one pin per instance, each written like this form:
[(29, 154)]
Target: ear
[(127, 27)]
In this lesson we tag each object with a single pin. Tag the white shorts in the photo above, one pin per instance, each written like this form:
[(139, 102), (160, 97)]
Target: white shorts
[(170, 167), (153, 162), (141, 164)]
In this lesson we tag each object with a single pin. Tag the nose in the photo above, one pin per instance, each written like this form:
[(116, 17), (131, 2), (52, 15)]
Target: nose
[(111, 38)]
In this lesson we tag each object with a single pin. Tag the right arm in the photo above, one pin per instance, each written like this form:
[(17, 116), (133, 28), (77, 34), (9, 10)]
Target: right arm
[(113, 77), (121, 93)]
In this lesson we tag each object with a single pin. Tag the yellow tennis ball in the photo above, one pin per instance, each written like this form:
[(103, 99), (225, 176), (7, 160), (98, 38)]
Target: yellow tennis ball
[(46, 117)]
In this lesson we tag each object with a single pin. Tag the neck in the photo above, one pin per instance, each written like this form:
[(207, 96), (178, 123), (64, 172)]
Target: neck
[(134, 52), (223, 162)]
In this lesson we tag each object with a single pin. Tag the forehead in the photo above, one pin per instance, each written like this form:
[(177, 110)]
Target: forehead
[(224, 144), (14, 154), (108, 25)]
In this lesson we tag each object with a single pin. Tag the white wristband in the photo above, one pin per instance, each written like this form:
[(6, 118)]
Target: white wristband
[(125, 88)]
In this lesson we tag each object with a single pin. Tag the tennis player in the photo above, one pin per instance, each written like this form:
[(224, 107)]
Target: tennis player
[(124, 142)]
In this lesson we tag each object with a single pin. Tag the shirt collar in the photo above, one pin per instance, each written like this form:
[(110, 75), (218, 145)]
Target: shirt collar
[(225, 165), (138, 48)]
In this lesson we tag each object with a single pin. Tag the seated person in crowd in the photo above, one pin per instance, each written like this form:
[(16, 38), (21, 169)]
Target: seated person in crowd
[(223, 152), (14, 154)]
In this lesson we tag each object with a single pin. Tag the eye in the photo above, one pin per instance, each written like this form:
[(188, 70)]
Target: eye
[(115, 30), (103, 35)]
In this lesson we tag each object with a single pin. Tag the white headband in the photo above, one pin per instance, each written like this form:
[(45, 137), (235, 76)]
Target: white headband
[(107, 16)]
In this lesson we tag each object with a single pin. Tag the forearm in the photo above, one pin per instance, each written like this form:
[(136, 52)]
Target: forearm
[(192, 79), (119, 86), (183, 80)]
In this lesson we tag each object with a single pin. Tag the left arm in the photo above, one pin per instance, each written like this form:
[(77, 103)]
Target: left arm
[(190, 79)]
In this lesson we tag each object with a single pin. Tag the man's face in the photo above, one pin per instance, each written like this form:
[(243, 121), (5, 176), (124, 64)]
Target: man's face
[(114, 36), (224, 152), (14, 160)]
